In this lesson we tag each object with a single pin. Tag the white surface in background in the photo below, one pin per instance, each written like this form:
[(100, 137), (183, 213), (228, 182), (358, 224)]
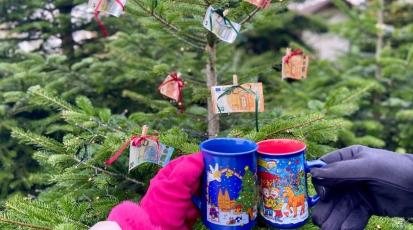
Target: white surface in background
[(312, 6), (328, 46), (81, 14)]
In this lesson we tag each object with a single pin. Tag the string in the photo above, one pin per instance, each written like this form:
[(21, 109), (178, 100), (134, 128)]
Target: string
[(220, 12)]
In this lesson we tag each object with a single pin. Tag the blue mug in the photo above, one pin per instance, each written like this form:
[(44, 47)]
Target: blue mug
[(282, 179), (229, 196)]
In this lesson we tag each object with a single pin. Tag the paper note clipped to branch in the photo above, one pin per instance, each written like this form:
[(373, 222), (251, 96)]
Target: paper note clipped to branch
[(112, 7), (149, 151), (238, 100), (295, 65), (222, 27)]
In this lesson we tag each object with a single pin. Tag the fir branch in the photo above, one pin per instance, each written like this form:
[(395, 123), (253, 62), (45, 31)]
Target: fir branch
[(37, 140), (110, 173), (249, 16), (21, 224), (40, 93), (318, 118), (188, 38)]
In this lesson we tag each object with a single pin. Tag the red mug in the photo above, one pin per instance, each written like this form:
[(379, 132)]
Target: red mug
[(282, 179)]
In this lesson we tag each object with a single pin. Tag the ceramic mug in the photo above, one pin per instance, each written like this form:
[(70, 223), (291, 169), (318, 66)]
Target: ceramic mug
[(282, 180), (229, 196)]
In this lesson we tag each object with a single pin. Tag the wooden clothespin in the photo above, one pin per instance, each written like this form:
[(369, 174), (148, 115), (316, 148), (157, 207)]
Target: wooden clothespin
[(144, 130), (234, 79), (287, 51)]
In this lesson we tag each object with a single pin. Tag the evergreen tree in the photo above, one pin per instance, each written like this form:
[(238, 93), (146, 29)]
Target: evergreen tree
[(75, 135), (248, 196)]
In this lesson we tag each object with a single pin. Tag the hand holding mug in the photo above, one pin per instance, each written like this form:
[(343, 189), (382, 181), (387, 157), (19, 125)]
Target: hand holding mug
[(358, 182)]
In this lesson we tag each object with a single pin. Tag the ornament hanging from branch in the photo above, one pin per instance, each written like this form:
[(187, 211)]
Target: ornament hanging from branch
[(295, 65), (144, 149), (216, 22), (112, 7), (237, 98), (172, 88), (260, 3)]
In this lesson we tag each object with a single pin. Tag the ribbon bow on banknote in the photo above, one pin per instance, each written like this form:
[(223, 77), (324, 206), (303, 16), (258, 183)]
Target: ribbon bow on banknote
[(135, 141), (231, 89), (227, 22), (292, 54)]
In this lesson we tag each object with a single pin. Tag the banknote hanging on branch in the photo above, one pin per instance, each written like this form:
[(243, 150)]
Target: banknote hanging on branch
[(148, 151), (260, 3), (295, 65), (143, 149), (236, 98), (172, 88), (222, 27), (112, 7)]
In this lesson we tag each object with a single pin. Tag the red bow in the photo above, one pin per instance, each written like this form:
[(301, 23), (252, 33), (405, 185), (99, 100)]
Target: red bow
[(135, 141), (100, 23), (292, 54), (174, 77)]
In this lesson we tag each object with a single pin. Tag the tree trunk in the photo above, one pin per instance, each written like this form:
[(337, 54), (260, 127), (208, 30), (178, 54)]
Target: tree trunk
[(66, 29), (213, 119), (379, 39)]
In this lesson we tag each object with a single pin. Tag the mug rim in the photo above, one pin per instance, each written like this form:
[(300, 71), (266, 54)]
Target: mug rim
[(202, 148), (281, 154)]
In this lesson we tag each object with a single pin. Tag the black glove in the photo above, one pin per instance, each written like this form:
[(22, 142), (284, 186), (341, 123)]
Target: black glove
[(358, 182)]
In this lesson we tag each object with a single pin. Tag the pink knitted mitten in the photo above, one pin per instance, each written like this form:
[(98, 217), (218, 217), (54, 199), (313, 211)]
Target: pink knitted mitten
[(167, 205)]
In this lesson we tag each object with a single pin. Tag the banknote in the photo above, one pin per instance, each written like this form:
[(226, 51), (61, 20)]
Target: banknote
[(112, 7), (296, 67), (238, 100), (149, 151), (260, 3), (220, 27), (170, 88)]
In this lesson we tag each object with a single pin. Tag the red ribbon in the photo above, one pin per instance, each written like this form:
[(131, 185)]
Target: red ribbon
[(100, 23), (292, 54), (135, 141), (175, 78)]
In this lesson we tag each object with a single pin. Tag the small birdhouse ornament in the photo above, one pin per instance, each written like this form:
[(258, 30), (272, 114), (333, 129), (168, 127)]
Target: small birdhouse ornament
[(295, 65)]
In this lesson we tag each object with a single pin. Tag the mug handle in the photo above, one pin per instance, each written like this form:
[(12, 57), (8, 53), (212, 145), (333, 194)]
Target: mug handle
[(312, 200)]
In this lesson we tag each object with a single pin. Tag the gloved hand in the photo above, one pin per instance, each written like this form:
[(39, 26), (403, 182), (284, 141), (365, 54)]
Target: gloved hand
[(358, 182), (168, 202)]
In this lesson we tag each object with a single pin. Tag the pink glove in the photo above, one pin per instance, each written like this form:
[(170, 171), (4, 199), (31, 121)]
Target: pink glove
[(167, 205)]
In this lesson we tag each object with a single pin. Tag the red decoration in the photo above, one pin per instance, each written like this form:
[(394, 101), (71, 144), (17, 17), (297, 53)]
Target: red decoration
[(172, 87), (292, 54)]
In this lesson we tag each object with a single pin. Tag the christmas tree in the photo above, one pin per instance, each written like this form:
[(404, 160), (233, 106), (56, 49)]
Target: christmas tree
[(76, 111), (248, 196)]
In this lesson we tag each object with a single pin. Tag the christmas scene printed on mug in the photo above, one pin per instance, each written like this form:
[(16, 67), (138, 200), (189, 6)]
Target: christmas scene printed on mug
[(282, 190), (231, 198)]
